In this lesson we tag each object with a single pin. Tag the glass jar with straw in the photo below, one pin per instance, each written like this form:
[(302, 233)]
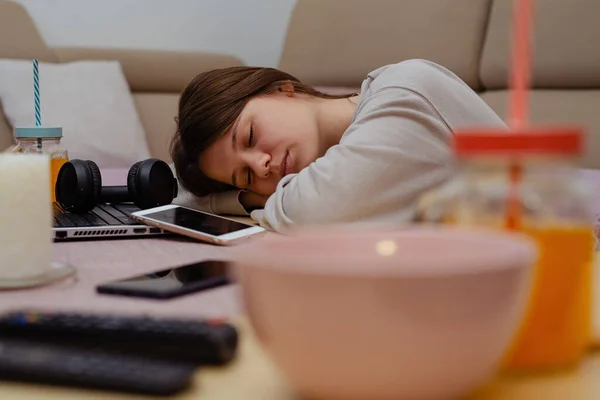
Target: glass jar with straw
[(42, 139), (548, 202), (524, 179)]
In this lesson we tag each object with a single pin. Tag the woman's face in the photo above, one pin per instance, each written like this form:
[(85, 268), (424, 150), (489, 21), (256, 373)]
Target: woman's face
[(274, 135)]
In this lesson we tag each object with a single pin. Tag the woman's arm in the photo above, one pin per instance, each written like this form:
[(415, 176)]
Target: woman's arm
[(217, 203), (227, 203), (252, 201), (397, 148)]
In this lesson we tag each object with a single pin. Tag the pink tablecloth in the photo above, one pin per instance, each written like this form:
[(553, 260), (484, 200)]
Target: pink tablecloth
[(104, 260)]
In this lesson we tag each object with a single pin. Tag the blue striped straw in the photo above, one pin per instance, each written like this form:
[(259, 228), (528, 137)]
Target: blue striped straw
[(36, 93)]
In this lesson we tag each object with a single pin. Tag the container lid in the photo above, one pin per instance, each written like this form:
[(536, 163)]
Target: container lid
[(41, 132), (564, 141)]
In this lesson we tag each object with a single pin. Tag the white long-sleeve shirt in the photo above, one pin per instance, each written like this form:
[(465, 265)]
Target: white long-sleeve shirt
[(397, 147)]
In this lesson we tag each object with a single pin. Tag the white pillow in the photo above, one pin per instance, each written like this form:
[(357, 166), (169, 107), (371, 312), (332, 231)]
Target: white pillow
[(91, 100)]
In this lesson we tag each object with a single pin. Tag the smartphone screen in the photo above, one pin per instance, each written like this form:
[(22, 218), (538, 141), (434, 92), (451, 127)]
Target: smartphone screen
[(190, 219), (172, 282), (202, 222)]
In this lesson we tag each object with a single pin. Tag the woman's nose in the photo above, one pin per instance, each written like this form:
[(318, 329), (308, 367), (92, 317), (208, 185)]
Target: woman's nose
[(260, 163)]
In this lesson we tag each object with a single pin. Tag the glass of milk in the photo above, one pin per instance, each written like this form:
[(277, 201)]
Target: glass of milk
[(26, 222)]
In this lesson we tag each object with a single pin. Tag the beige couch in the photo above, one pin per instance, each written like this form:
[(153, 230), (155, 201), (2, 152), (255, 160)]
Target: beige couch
[(155, 77), (335, 43)]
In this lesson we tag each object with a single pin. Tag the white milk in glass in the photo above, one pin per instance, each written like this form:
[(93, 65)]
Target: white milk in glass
[(25, 215)]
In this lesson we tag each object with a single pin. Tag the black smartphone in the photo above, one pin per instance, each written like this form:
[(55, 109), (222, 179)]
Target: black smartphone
[(173, 282)]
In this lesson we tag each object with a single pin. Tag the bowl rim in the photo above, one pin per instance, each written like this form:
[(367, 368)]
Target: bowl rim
[(266, 253)]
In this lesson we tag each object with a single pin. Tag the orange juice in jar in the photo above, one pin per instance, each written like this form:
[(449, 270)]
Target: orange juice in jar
[(557, 327), (546, 201), (45, 140), (55, 164)]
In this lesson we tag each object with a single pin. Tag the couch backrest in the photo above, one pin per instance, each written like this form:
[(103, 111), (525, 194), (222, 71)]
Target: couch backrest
[(337, 42), (566, 45), (151, 70), (565, 76), (19, 37)]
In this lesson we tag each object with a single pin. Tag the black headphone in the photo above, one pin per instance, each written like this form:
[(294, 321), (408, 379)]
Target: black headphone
[(150, 183)]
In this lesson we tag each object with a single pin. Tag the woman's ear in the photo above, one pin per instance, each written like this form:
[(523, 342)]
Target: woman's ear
[(286, 87)]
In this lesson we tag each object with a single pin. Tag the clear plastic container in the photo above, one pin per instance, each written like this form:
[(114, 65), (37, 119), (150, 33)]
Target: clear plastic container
[(526, 181), (45, 140)]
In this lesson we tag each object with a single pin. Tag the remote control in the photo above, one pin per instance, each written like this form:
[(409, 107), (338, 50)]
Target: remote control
[(203, 341), (28, 361)]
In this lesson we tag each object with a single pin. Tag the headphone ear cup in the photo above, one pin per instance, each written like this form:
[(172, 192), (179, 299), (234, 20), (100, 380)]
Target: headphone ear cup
[(133, 182), (96, 178), (151, 183), (78, 185)]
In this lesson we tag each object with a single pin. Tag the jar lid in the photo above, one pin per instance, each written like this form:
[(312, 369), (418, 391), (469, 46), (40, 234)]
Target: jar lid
[(38, 132), (563, 141)]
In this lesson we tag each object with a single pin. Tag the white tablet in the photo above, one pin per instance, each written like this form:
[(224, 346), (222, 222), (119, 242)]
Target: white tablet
[(198, 224)]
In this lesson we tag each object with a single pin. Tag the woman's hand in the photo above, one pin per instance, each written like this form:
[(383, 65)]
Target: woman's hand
[(252, 201)]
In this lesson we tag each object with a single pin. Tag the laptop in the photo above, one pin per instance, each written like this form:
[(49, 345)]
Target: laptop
[(103, 222)]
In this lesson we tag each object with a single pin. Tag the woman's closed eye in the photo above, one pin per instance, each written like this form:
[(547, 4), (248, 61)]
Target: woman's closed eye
[(250, 141), (251, 136)]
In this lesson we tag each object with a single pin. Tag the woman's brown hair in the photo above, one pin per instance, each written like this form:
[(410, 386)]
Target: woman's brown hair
[(208, 107)]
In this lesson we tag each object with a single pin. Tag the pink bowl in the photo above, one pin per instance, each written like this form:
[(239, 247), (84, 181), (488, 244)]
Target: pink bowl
[(418, 313)]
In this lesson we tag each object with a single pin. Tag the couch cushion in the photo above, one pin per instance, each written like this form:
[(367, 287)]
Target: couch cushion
[(560, 107), (19, 38), (336, 43), (157, 112), (565, 40)]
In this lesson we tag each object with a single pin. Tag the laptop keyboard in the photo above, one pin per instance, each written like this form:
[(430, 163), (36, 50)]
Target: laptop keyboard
[(101, 215)]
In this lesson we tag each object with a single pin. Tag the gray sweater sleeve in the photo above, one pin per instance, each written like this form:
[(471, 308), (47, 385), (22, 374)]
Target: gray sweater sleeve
[(216, 203), (397, 148)]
